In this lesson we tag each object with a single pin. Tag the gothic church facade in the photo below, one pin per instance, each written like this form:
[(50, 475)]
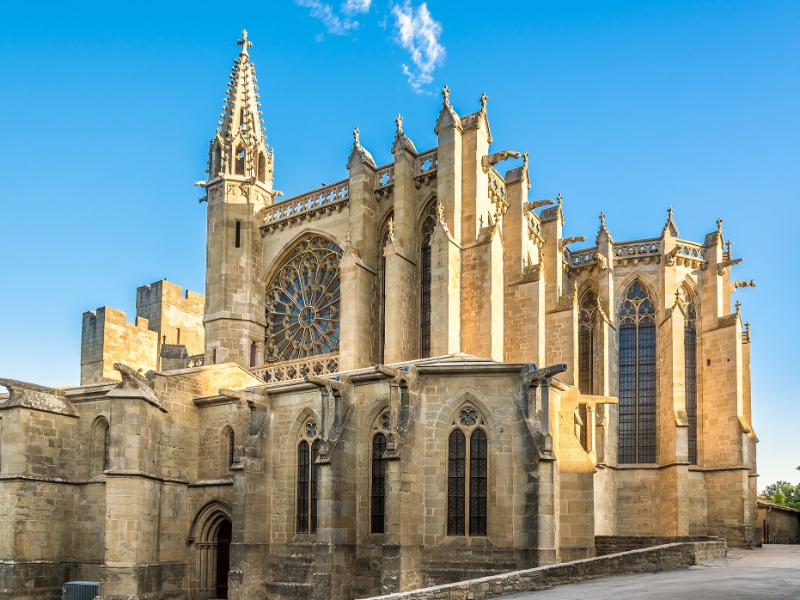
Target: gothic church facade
[(405, 378)]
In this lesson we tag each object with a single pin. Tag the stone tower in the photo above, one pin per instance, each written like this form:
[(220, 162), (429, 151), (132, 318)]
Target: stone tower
[(240, 177)]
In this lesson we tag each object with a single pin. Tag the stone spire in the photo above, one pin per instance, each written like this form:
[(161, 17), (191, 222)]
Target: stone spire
[(359, 153), (401, 141), (447, 116), (240, 132), (670, 225), (603, 232)]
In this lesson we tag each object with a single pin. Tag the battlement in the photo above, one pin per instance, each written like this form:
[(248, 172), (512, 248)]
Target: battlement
[(108, 337), (164, 315)]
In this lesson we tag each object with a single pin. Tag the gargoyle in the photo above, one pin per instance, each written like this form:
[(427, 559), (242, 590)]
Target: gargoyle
[(491, 160)]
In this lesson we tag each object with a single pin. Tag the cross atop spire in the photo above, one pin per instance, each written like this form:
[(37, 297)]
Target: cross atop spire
[(719, 225), (244, 43), (560, 199), (484, 98), (446, 95), (357, 136), (399, 122), (602, 219)]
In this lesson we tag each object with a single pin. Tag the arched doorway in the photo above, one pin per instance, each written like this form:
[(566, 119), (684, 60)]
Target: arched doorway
[(223, 558)]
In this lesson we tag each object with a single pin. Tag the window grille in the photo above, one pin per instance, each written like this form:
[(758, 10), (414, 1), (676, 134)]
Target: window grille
[(637, 377), (378, 483), (467, 474), (303, 477)]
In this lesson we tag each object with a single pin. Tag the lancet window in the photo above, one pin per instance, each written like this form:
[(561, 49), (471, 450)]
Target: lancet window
[(378, 475), (428, 227), (637, 376), (307, 478), (262, 167), (586, 326), (467, 471), (303, 299), (100, 443), (384, 242), (239, 161), (690, 369)]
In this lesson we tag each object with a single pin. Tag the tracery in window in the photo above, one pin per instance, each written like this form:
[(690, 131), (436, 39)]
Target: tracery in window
[(382, 343), (307, 478), (467, 472), (378, 475), (637, 376), (428, 227), (262, 167), (303, 302), (690, 368)]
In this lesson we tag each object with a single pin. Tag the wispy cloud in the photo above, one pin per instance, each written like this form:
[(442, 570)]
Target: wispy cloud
[(352, 7), (418, 33), (334, 23)]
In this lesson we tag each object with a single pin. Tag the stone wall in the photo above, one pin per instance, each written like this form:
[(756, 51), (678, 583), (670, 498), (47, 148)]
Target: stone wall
[(614, 544), (778, 524), (650, 560)]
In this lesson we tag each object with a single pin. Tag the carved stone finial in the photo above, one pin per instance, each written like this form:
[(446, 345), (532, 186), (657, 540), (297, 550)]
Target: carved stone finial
[(738, 308), (747, 329), (560, 199), (602, 220), (391, 231), (440, 211), (446, 96), (719, 225), (244, 43), (670, 213), (356, 137), (484, 98), (728, 247), (525, 156), (399, 122)]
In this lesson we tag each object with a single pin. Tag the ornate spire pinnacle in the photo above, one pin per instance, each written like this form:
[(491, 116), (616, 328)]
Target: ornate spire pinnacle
[(602, 220), (399, 122), (484, 98), (719, 225), (359, 153), (560, 199), (239, 147), (400, 139), (447, 116), (244, 43), (445, 96), (670, 224), (738, 308)]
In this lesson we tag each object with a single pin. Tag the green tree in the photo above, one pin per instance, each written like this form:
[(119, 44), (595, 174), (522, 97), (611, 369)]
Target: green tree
[(784, 493)]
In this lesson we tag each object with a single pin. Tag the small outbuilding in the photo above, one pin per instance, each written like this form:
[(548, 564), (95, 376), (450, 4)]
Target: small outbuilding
[(779, 524)]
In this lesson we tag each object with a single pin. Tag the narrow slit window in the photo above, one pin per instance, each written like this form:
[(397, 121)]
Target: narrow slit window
[(428, 227), (690, 373), (303, 477), (456, 483), (238, 234), (477, 482)]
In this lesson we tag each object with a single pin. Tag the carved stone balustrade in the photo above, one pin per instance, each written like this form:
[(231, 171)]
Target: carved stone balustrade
[(384, 182), (322, 201), (497, 191), (426, 167), (582, 259), (632, 253), (322, 364), (689, 254)]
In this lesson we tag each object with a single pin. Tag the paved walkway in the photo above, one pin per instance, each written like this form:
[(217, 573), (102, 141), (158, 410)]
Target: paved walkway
[(768, 573)]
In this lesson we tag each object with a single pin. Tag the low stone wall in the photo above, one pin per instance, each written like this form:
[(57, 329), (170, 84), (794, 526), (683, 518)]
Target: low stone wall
[(612, 544), (648, 560)]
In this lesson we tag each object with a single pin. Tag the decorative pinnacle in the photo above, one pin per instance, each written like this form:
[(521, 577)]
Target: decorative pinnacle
[(602, 220), (560, 199), (719, 225), (728, 246), (244, 43), (670, 212), (525, 159), (356, 136), (738, 308), (484, 98), (399, 122), (446, 96)]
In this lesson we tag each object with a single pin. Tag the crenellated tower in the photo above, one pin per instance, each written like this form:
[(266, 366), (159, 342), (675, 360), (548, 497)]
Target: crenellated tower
[(239, 185)]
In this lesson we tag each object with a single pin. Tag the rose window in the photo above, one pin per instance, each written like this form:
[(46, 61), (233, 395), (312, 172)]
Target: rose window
[(303, 302)]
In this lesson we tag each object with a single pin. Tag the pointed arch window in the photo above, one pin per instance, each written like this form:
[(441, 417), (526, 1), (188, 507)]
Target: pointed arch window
[(384, 242), (586, 323), (428, 227), (238, 161), (262, 167), (308, 478), (216, 162), (231, 448), (690, 369), (303, 302), (637, 376), (100, 446), (378, 476), (467, 474)]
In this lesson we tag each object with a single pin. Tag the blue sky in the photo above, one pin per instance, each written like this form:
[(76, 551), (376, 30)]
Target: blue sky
[(625, 107)]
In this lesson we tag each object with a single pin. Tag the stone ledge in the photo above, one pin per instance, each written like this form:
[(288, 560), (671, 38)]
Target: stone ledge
[(648, 560)]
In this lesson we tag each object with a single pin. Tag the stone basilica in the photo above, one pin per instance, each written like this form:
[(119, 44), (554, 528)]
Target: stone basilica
[(405, 378)]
